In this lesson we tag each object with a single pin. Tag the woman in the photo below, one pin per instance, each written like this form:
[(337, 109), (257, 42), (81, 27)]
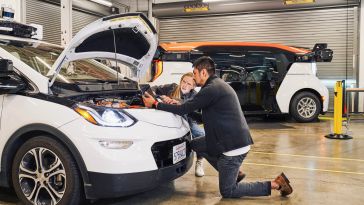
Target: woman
[(173, 93)]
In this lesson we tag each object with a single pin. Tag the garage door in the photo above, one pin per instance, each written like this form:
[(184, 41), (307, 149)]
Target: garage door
[(81, 19), (49, 15), (335, 26), (300, 28)]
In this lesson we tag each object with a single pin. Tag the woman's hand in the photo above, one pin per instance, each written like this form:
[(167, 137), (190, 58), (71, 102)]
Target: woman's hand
[(169, 100)]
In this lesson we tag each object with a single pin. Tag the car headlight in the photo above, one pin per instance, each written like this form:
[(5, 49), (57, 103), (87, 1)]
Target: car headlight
[(103, 116)]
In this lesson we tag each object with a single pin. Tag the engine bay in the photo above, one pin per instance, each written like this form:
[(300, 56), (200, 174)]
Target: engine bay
[(130, 100)]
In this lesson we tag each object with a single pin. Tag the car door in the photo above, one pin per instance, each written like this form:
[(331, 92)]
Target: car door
[(231, 69), (260, 65), (245, 69), (266, 68), (228, 60)]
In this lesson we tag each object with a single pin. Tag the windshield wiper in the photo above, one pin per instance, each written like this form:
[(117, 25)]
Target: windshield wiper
[(98, 81), (94, 81)]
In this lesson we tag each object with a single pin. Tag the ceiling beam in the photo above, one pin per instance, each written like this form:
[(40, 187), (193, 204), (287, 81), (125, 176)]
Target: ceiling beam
[(240, 6)]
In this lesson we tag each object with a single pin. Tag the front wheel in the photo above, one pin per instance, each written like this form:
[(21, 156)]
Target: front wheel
[(305, 107), (44, 172)]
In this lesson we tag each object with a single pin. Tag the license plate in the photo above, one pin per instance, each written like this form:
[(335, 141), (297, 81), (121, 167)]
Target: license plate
[(179, 152)]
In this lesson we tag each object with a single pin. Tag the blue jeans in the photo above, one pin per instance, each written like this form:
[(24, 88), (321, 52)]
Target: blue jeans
[(196, 131), (228, 168)]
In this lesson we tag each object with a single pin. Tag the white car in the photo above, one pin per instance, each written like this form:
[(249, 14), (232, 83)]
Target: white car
[(73, 128), (268, 78)]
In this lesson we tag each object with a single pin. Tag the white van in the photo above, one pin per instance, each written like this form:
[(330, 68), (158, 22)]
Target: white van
[(268, 78), (73, 128)]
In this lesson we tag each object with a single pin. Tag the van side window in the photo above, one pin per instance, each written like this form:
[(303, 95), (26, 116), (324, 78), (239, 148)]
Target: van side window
[(260, 65), (267, 64), (244, 63), (175, 57)]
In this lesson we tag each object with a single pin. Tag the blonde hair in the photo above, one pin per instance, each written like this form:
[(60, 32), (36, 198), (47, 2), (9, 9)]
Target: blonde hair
[(177, 93)]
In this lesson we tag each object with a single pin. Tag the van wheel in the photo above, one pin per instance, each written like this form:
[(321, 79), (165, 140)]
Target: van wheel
[(305, 107), (44, 172)]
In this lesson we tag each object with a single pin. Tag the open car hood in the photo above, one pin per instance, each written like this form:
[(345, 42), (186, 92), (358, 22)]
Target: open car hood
[(129, 38)]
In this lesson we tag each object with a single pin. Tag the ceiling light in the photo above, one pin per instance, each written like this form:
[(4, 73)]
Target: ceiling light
[(103, 2), (195, 7), (292, 2)]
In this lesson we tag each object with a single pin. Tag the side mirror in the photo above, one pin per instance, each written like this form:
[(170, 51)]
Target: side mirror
[(322, 53), (10, 81)]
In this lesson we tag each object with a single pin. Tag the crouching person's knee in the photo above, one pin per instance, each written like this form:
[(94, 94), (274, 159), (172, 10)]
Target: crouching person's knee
[(226, 193)]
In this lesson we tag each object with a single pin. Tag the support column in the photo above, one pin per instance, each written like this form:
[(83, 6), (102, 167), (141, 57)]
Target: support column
[(361, 57), (66, 22), (23, 11), (150, 14)]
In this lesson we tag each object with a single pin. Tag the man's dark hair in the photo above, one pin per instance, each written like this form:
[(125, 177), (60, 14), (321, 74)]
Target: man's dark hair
[(205, 62)]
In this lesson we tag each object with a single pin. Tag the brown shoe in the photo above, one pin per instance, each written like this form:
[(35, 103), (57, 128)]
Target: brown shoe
[(241, 176), (283, 183)]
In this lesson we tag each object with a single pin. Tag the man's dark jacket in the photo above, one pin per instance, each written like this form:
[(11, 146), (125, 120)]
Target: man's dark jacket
[(225, 125)]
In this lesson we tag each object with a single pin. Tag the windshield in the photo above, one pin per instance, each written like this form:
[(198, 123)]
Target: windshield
[(41, 57)]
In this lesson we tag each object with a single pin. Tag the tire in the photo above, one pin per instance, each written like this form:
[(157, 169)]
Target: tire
[(57, 179), (305, 107)]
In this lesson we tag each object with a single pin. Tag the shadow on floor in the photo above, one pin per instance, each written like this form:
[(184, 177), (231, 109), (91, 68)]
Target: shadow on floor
[(157, 195), (275, 122)]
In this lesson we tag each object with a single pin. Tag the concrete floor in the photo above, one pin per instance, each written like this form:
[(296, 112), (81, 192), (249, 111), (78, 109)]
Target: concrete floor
[(321, 171)]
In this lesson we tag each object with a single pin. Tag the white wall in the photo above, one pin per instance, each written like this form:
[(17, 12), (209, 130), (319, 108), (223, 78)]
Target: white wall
[(135, 5), (16, 5), (139, 6)]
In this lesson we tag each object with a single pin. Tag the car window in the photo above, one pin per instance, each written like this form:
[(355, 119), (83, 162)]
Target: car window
[(84, 70), (259, 65), (38, 57)]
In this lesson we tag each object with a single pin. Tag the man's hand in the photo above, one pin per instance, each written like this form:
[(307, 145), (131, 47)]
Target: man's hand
[(148, 100)]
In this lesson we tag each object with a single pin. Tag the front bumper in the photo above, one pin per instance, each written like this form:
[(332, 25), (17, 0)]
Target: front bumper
[(117, 185), (119, 172)]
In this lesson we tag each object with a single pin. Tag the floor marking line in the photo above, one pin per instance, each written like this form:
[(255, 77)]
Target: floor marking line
[(302, 168), (308, 156), (330, 118)]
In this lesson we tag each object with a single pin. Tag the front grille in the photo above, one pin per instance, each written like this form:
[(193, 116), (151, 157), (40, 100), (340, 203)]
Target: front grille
[(162, 151)]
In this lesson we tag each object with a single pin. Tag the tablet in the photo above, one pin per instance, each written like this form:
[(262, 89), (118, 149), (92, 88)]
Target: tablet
[(146, 88)]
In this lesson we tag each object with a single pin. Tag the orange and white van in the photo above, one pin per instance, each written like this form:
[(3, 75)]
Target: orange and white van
[(268, 78)]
